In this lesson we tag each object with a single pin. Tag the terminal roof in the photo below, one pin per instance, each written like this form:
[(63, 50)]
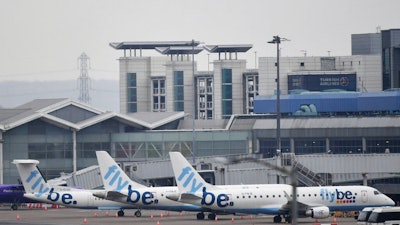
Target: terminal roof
[(173, 50), (228, 48), (151, 44)]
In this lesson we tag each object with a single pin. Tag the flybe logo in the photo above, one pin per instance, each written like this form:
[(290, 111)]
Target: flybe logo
[(340, 197), (37, 182), (195, 185), (113, 177), (40, 188), (222, 200), (190, 183)]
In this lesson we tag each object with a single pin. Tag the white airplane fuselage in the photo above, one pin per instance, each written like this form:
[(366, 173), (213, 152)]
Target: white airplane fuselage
[(275, 199), (77, 199)]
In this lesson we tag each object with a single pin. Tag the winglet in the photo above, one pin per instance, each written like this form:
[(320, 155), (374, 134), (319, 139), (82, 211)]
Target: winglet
[(114, 178), (187, 178), (31, 177)]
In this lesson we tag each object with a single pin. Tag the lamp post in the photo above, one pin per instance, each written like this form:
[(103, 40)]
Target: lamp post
[(292, 173), (277, 41), (194, 106)]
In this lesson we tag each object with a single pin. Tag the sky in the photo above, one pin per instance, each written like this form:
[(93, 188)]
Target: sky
[(42, 39)]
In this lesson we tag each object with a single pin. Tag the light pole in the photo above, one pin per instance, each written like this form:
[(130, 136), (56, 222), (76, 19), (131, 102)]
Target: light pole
[(194, 106), (277, 41), (292, 173)]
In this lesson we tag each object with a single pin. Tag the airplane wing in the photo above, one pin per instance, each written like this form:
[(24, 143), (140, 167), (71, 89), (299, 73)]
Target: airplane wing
[(109, 195), (189, 197), (316, 211), (115, 195)]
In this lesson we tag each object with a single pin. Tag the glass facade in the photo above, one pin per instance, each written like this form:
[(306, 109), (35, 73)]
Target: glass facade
[(268, 147), (226, 93), (178, 91), (345, 145), (149, 146), (39, 140), (158, 95), (131, 92), (251, 87), (205, 98)]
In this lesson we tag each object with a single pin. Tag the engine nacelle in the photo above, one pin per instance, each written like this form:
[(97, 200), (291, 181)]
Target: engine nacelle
[(319, 212)]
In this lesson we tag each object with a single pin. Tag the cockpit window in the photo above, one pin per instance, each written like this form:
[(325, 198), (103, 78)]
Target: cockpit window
[(377, 193)]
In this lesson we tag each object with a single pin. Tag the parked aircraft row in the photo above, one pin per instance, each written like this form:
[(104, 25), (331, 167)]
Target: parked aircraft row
[(193, 193)]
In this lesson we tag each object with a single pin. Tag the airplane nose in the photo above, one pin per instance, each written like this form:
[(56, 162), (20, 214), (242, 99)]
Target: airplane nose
[(391, 202)]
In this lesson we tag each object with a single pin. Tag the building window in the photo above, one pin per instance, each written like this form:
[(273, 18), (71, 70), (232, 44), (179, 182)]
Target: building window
[(178, 91), (158, 95), (309, 146), (131, 92), (302, 64), (345, 146), (268, 147), (226, 93), (251, 82), (383, 145)]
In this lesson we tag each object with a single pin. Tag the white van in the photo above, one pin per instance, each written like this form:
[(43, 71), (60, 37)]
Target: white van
[(385, 216), (362, 218)]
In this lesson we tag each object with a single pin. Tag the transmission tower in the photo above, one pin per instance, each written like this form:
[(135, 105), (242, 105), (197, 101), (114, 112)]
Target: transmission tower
[(84, 80)]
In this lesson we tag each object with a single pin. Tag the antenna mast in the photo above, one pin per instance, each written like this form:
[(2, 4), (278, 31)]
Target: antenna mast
[(84, 80)]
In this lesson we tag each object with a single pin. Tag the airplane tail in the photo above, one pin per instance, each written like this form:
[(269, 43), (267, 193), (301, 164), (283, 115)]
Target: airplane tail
[(187, 178), (31, 177), (114, 178)]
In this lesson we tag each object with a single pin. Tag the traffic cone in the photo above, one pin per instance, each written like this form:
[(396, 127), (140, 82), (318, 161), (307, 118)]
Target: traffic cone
[(216, 218), (116, 214), (334, 221), (251, 217), (158, 222), (107, 213), (45, 208), (180, 214), (95, 215), (161, 215), (18, 217), (151, 217), (85, 220), (233, 219)]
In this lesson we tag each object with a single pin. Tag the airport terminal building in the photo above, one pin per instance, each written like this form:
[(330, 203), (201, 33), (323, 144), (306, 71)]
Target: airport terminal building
[(330, 131)]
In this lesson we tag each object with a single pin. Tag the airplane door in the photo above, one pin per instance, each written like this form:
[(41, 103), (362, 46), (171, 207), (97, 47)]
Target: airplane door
[(154, 197), (90, 200), (230, 199), (364, 196)]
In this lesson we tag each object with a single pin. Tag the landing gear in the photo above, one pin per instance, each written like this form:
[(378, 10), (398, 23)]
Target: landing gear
[(277, 219), (138, 213), (14, 206), (200, 216), (288, 219), (211, 216), (121, 213)]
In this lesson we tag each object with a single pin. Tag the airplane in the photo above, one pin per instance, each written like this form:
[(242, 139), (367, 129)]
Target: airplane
[(14, 194), (36, 188), (120, 188), (315, 202)]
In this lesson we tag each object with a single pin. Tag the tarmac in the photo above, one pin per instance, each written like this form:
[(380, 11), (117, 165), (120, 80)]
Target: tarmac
[(70, 216)]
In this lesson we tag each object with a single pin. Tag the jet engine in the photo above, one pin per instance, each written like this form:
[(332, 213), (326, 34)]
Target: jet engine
[(319, 212)]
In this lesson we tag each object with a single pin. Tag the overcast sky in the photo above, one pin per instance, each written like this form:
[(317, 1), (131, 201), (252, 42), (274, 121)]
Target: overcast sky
[(42, 39)]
